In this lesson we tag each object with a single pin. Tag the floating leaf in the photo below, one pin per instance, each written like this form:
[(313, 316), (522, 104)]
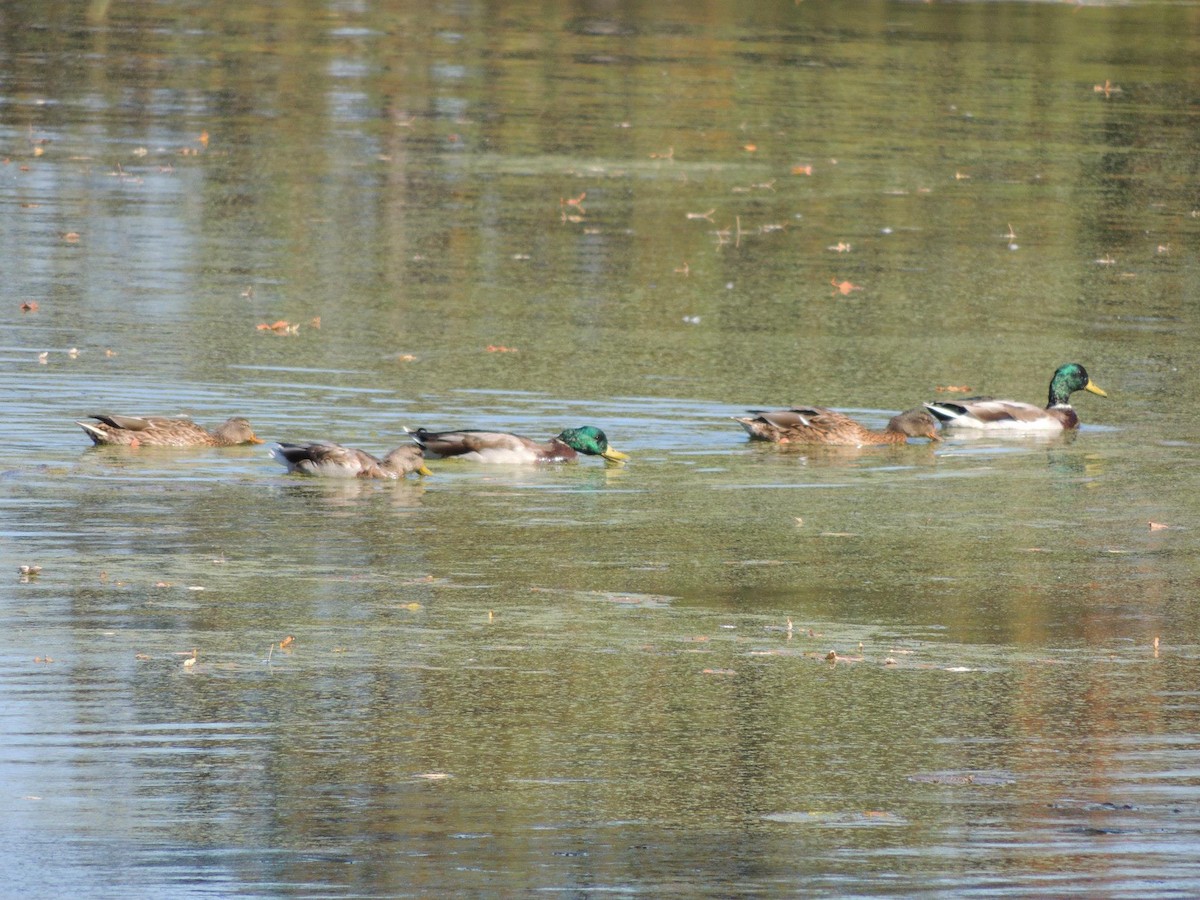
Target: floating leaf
[(280, 327)]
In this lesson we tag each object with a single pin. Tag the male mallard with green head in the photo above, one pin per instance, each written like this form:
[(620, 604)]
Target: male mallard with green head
[(502, 447), (987, 414), (155, 431), (336, 461), (818, 425)]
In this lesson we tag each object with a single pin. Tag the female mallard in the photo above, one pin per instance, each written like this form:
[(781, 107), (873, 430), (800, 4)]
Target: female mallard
[(984, 413), (154, 431), (336, 461), (502, 447), (818, 425)]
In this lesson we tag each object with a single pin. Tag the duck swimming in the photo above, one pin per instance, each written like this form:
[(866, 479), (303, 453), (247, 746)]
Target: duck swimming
[(819, 425), (335, 461), (503, 447), (156, 431), (987, 414)]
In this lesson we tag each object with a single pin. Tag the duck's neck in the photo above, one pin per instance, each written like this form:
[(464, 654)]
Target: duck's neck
[(560, 450), (1060, 394)]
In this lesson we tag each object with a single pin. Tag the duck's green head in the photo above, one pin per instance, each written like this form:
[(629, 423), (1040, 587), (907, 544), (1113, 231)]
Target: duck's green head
[(1067, 380), (591, 441)]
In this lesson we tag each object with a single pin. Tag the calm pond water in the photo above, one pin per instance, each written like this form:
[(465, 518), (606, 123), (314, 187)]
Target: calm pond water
[(585, 680)]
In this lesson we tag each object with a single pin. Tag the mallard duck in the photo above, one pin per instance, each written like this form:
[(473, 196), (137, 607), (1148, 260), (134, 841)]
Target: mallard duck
[(336, 461), (502, 447), (818, 425), (1012, 415), (155, 431)]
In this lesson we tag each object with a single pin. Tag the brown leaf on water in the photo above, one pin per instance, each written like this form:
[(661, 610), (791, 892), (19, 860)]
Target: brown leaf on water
[(29, 306), (287, 642), (953, 389), (845, 287), (280, 327), (725, 672), (500, 348), (802, 170), (1158, 526)]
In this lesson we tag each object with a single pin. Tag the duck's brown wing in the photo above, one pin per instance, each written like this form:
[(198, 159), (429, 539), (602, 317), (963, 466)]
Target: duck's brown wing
[(322, 459), (456, 443)]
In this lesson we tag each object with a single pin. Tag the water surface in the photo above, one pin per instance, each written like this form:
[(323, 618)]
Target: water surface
[(587, 679)]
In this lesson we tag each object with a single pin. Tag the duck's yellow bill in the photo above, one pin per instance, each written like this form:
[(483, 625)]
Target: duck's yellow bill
[(614, 455), (424, 470), (1092, 388)]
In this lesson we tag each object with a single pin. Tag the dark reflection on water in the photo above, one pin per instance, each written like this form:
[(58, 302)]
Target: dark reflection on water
[(227, 681)]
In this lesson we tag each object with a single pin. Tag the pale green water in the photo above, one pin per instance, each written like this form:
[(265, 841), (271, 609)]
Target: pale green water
[(581, 680)]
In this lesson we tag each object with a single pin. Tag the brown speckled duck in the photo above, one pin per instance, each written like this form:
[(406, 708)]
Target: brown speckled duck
[(818, 425), (336, 461), (155, 431)]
